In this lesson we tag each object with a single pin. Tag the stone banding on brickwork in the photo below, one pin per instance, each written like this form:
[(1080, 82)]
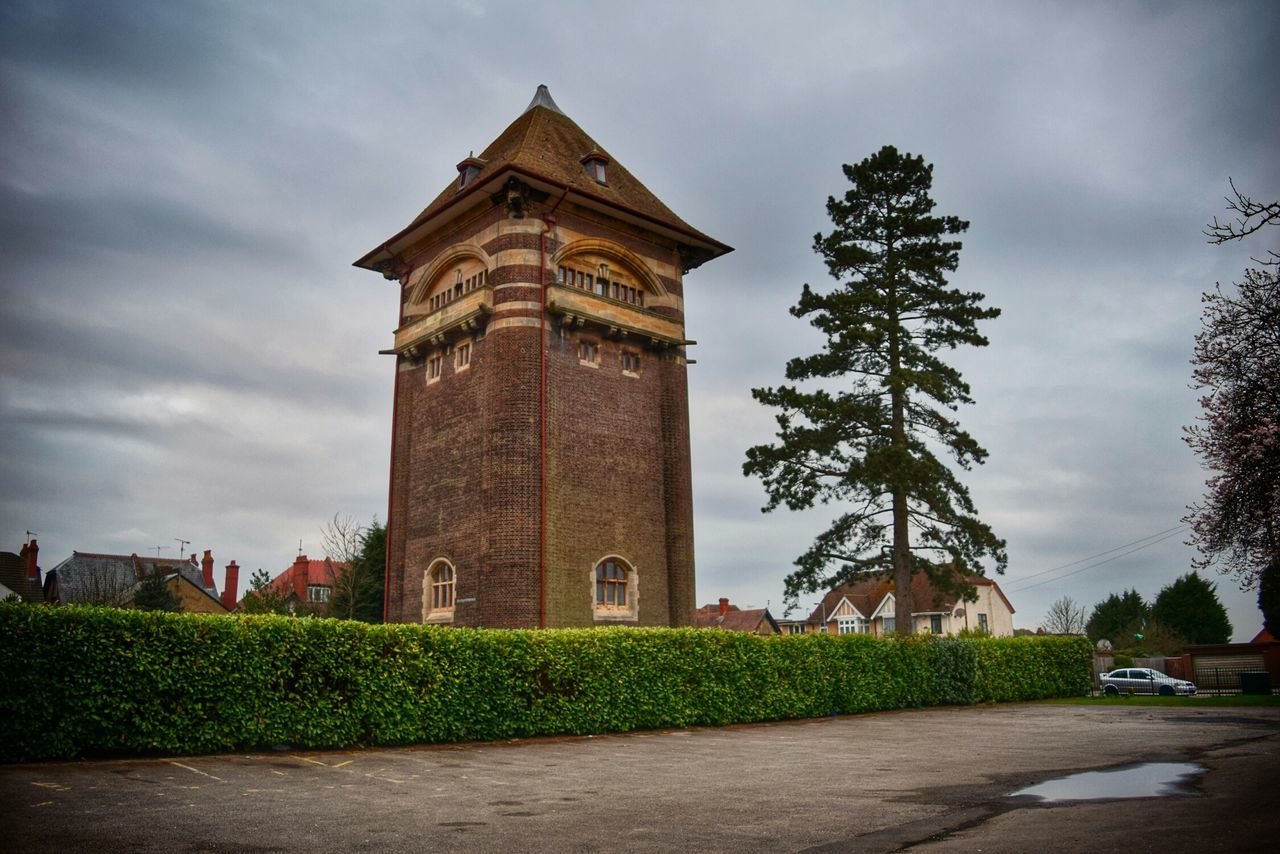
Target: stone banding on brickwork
[(562, 440)]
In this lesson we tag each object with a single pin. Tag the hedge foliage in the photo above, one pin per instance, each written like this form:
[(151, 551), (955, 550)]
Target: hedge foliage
[(93, 681)]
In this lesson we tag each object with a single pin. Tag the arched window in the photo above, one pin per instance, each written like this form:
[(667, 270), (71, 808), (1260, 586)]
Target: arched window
[(615, 594), (611, 585), (438, 592)]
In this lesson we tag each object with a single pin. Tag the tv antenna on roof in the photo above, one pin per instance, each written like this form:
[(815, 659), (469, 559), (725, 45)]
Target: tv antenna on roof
[(182, 546), (30, 534), (158, 548)]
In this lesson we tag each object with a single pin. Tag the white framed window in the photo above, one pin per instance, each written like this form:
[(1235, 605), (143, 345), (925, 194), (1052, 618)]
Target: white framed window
[(631, 363), (982, 623), (851, 625), (318, 592)]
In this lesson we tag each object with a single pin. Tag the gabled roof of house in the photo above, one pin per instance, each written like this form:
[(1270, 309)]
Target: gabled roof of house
[(545, 145), (734, 619), (185, 578), (867, 595), (81, 572), (303, 573), (13, 575)]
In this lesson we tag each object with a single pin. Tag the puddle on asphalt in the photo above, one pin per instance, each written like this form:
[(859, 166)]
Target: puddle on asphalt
[(1150, 780)]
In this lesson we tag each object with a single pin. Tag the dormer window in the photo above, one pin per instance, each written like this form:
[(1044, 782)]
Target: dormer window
[(595, 162), (468, 170)]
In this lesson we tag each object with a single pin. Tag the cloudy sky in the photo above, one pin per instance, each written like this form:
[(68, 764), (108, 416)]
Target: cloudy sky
[(186, 351)]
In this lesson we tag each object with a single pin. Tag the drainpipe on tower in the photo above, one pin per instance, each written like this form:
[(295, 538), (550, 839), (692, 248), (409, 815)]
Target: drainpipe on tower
[(548, 221)]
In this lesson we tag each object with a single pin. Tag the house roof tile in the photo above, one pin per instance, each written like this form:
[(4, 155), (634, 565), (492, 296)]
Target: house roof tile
[(867, 594), (546, 144), (90, 574)]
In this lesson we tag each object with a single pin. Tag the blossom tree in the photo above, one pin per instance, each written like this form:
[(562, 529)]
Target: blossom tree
[(1237, 366)]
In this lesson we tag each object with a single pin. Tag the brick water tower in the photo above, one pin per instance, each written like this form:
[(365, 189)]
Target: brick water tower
[(540, 437)]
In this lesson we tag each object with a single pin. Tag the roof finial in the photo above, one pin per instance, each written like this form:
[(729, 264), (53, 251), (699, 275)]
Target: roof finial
[(542, 98)]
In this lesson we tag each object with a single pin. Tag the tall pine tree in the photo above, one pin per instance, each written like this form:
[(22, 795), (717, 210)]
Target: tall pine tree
[(868, 439)]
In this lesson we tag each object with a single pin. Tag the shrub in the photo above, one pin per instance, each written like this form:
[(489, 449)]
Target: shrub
[(84, 681)]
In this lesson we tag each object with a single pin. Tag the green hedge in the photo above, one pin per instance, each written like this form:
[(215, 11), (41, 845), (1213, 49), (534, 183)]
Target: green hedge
[(92, 681)]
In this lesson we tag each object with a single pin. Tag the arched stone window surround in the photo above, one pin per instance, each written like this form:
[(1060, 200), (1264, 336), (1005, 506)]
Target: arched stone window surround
[(616, 253), (422, 278), (606, 613), (434, 582)]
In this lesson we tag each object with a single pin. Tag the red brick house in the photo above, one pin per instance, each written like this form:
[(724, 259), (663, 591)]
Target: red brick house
[(308, 582), (20, 574), (540, 469), (755, 621)]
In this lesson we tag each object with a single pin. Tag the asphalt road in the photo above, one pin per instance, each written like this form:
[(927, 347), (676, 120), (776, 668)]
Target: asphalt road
[(933, 780)]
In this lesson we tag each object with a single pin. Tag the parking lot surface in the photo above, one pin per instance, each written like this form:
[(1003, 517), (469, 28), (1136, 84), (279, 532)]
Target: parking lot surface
[(929, 780)]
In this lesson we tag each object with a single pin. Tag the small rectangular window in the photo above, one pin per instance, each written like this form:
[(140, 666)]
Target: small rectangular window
[(434, 366), (982, 622), (587, 352), (463, 356), (935, 624), (630, 362)]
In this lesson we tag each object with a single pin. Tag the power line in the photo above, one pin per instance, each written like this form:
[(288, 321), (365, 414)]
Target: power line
[(1166, 535), (1099, 554)]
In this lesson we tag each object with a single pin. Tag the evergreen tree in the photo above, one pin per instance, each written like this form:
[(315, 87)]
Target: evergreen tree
[(868, 441), (153, 594), (1269, 598), (1190, 608), (262, 598), (1118, 619)]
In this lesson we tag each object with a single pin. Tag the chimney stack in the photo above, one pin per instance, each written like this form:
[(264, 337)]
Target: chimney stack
[(206, 568), (30, 552), (230, 586), (299, 577), (724, 606)]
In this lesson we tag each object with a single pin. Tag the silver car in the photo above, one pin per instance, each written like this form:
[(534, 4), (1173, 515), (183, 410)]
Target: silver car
[(1143, 680)]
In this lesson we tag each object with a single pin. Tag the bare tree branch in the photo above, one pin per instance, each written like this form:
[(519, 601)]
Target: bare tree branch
[(1251, 216)]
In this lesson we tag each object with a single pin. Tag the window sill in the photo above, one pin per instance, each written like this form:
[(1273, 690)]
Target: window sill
[(615, 616), (436, 617)]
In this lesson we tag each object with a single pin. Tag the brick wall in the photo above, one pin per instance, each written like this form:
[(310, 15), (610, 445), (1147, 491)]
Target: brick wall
[(465, 482)]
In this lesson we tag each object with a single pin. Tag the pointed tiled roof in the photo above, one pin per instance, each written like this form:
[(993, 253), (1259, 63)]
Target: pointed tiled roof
[(545, 145)]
